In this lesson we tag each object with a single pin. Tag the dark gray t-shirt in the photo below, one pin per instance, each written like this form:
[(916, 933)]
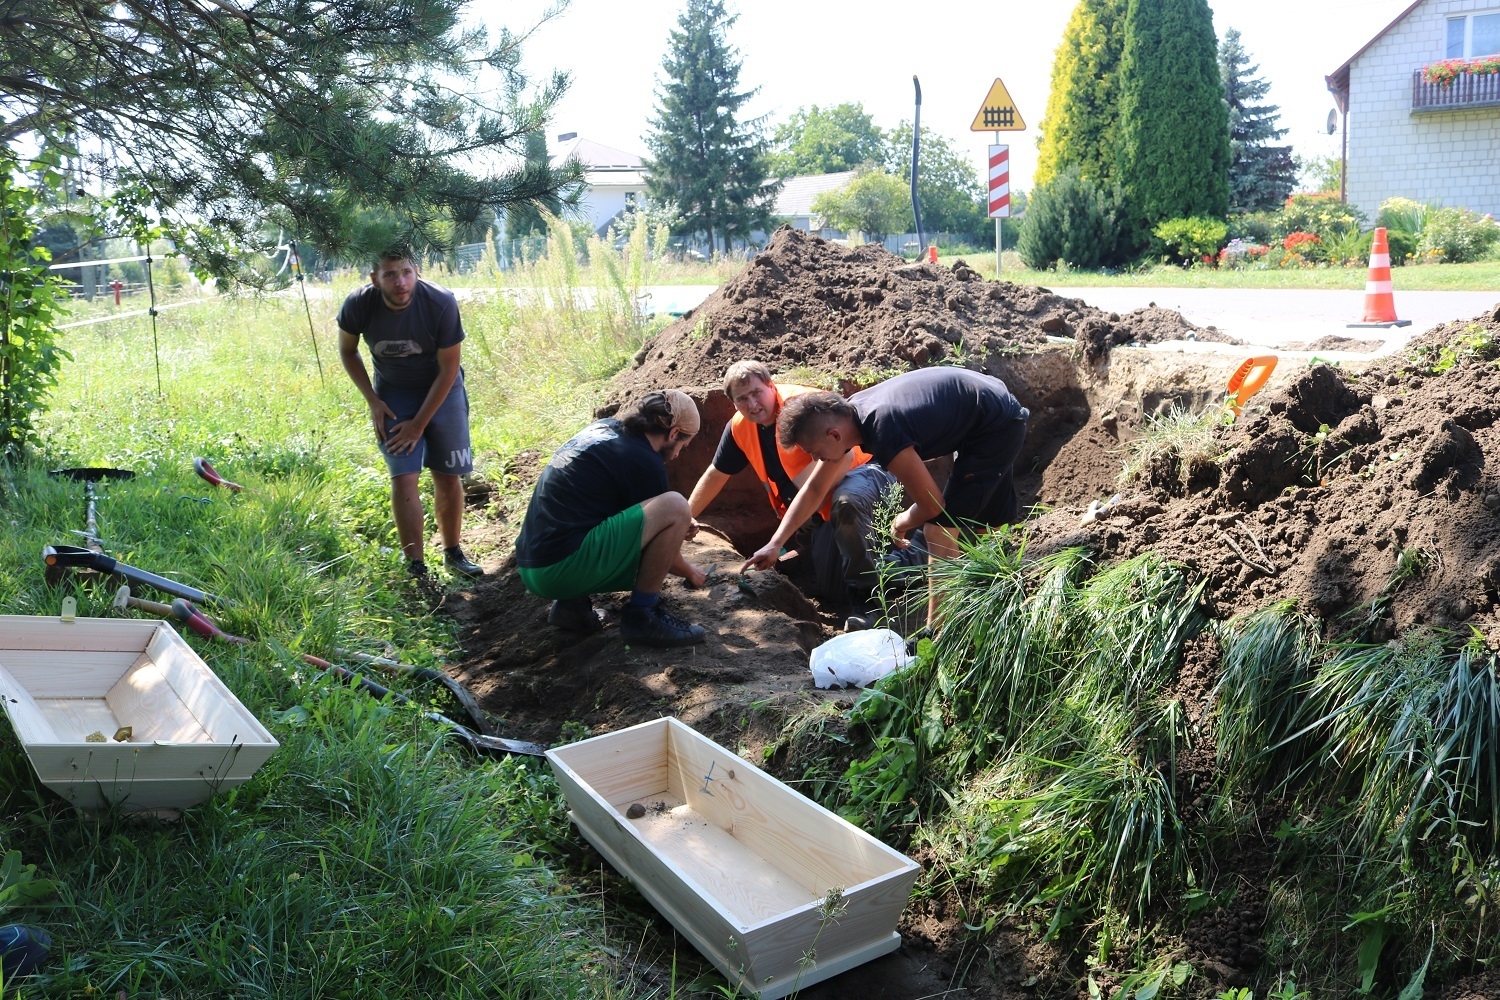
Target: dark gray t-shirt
[(935, 410), (404, 344)]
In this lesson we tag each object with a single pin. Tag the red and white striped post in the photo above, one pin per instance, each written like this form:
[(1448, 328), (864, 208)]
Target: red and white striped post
[(999, 193)]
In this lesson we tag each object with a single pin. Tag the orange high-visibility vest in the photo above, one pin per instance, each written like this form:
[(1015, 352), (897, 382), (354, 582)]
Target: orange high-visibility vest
[(747, 435)]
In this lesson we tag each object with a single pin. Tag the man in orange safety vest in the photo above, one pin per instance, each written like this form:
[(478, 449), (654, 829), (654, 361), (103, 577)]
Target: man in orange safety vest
[(843, 552)]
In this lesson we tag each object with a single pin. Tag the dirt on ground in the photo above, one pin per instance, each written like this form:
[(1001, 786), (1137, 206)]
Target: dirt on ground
[(1364, 494)]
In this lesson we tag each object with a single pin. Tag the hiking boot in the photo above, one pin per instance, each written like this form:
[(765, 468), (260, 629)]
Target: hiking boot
[(576, 615), (459, 564), (863, 612), (23, 950), (655, 627)]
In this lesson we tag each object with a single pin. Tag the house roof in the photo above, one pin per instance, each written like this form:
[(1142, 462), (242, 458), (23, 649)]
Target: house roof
[(596, 156), (1338, 80), (797, 193)]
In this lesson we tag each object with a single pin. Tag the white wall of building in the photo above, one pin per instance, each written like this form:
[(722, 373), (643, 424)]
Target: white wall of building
[(1444, 157)]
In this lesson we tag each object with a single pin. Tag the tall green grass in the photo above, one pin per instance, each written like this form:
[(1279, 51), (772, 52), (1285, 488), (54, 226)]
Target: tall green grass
[(368, 857)]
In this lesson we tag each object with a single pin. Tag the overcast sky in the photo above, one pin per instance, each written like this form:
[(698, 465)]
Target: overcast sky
[(826, 52)]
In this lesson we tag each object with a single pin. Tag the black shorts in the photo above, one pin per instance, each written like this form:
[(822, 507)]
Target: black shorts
[(981, 492)]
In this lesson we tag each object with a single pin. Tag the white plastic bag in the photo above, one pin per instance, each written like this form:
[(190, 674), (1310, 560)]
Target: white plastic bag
[(858, 658)]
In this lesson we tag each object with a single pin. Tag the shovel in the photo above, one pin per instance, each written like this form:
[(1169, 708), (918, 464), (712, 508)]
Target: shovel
[(88, 477)]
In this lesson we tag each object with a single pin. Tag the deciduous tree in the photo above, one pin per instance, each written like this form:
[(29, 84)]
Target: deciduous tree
[(948, 184), (1174, 124), (827, 140), (232, 118), (1260, 175), (874, 203), (1083, 109), (705, 162)]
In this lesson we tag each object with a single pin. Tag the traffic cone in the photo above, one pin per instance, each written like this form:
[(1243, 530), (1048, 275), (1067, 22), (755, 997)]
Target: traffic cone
[(1380, 305), (932, 255)]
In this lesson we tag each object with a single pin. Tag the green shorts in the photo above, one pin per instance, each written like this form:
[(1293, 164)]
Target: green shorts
[(607, 561)]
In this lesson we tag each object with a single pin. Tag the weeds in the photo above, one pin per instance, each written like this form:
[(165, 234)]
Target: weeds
[(1181, 437)]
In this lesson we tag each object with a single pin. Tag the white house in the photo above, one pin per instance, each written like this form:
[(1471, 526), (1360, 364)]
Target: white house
[(1427, 141), (794, 204), (614, 179)]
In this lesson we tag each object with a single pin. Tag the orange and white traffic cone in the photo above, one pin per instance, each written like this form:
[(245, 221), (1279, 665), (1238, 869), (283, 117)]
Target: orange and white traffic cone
[(932, 255), (1380, 304)]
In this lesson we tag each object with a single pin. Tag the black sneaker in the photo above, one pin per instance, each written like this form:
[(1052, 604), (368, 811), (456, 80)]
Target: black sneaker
[(576, 615), (459, 564), (23, 950), (655, 627), (863, 612)]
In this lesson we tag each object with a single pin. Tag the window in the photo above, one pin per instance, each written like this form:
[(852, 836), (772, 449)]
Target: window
[(1473, 35)]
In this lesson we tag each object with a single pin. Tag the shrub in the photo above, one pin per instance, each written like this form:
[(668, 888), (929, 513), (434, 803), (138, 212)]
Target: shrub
[(1300, 242), (1253, 227), (1403, 220), (1346, 248), (1457, 234), (1319, 214), (1193, 238), (1073, 220)]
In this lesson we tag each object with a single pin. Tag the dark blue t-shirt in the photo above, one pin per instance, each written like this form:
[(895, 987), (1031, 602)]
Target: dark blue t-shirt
[(404, 343), (935, 410), (602, 470)]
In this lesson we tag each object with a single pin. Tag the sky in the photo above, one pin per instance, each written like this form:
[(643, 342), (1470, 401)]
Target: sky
[(827, 52)]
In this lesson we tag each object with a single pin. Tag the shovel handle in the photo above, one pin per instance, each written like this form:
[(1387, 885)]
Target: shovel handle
[(204, 469)]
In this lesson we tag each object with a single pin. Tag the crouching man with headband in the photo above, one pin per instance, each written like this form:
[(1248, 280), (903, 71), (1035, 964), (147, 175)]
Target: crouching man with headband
[(602, 519)]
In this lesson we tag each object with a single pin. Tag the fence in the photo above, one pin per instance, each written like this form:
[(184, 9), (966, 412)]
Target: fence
[(1467, 90)]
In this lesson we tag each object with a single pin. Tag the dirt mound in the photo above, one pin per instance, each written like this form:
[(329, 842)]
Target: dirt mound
[(535, 678), (1369, 498), (859, 314)]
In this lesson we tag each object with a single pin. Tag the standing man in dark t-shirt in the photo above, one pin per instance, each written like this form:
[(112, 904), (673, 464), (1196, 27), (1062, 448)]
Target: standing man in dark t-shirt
[(418, 405), (902, 422), (603, 519)]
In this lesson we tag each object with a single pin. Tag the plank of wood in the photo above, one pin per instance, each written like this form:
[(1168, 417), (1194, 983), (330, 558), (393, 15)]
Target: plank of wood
[(221, 715), (126, 762), (143, 700), (623, 765), (73, 719), (65, 673), (82, 634), (25, 715)]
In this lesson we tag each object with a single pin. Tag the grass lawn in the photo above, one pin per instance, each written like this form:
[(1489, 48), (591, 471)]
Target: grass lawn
[(369, 857)]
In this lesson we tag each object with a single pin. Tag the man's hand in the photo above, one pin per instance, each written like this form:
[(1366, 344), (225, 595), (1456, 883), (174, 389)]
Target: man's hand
[(693, 528), (764, 558), (905, 523), (378, 414), (403, 437), (695, 577)]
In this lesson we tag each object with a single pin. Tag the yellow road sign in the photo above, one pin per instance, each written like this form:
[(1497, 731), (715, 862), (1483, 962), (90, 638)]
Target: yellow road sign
[(998, 113)]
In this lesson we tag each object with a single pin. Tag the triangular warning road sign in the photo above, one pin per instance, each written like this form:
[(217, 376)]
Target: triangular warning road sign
[(998, 113)]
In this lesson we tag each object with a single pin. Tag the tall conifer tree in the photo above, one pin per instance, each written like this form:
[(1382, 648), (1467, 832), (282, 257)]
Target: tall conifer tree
[(1174, 124), (1083, 109), (705, 162), (1260, 175)]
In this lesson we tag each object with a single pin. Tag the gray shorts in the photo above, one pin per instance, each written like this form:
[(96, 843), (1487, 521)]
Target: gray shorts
[(444, 447)]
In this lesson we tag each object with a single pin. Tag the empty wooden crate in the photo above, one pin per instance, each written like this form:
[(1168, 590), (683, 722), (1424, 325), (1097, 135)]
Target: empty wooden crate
[(772, 888), (63, 681)]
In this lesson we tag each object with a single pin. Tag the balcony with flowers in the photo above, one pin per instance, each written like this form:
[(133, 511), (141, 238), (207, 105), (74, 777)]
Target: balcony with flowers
[(1456, 84)]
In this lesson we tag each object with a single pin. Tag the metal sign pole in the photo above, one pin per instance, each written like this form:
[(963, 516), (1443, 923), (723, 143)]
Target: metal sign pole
[(998, 236)]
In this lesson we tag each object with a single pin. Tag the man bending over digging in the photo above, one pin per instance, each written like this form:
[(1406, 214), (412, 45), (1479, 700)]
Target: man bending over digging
[(843, 552), (418, 404), (602, 519), (902, 422)]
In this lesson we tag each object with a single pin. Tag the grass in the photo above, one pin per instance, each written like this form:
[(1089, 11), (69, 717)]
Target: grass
[(1479, 276), (368, 857), (1183, 438)]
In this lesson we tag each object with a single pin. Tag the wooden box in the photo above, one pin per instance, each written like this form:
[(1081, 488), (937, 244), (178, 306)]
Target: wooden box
[(60, 681), (740, 864)]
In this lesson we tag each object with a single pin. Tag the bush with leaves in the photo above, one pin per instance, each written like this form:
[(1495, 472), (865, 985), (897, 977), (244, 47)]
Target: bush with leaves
[(1320, 214), (1073, 220), (1192, 239), (1458, 234), (31, 298)]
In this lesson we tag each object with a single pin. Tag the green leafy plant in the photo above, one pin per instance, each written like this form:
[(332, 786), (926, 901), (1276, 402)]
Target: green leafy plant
[(19, 884), (1192, 239), (31, 300), (1072, 220), (1457, 234)]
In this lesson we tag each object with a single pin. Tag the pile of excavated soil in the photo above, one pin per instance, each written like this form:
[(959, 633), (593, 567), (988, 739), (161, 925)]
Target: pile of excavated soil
[(1336, 481), (860, 314)]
